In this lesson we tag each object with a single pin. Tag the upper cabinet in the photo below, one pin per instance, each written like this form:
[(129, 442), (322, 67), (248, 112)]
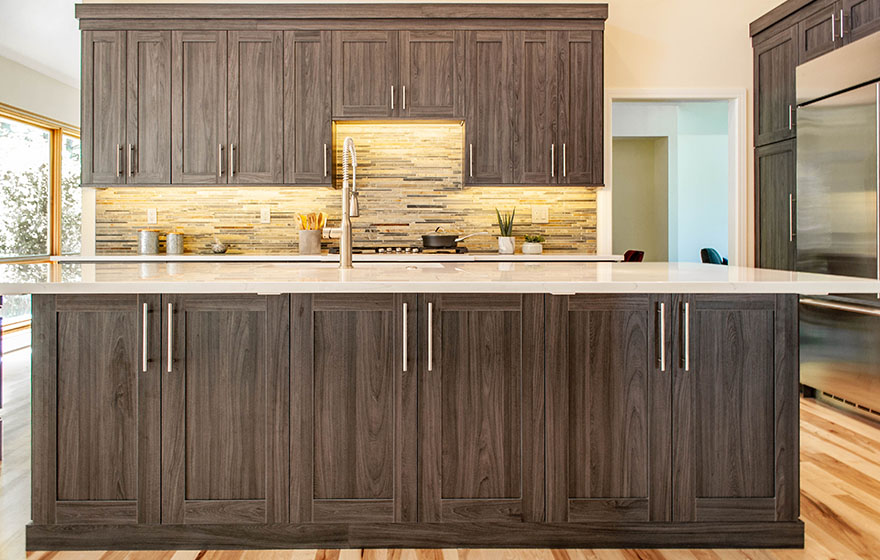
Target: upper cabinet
[(250, 98), (775, 103), (820, 32), (861, 18), (126, 102)]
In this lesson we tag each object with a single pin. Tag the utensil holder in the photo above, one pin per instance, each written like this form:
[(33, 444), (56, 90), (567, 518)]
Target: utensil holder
[(310, 242)]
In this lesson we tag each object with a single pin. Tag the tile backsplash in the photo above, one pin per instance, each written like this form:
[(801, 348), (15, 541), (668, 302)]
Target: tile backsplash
[(410, 180)]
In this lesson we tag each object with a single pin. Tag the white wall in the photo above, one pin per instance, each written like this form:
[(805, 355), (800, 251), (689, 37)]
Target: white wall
[(28, 89)]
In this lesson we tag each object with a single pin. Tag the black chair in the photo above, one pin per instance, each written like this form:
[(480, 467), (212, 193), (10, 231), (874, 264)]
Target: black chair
[(633, 256), (711, 256)]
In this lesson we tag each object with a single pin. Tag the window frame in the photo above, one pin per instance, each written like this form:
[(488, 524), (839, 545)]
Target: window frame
[(57, 130)]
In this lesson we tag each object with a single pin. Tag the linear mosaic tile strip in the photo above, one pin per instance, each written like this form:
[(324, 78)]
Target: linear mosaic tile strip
[(410, 179)]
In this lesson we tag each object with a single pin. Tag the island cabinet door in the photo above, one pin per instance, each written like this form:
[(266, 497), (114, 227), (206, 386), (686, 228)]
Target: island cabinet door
[(353, 411), (225, 401), (735, 403), (609, 377), (96, 407), (481, 408)]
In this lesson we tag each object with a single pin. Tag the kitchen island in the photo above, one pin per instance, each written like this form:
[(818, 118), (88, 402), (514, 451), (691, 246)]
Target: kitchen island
[(229, 405)]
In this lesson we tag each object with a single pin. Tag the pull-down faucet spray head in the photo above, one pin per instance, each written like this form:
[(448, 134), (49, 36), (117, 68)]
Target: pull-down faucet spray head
[(349, 156)]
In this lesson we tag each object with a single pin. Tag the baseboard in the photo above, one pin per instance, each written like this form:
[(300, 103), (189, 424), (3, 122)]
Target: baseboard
[(418, 535)]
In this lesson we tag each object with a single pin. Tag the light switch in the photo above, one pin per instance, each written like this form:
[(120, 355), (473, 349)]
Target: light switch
[(265, 215), (540, 214), (152, 216)]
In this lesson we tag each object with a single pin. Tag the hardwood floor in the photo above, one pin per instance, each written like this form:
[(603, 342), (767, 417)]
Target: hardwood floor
[(840, 498)]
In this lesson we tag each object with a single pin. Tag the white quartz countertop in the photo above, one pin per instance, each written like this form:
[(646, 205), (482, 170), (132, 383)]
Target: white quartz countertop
[(416, 277), (370, 257)]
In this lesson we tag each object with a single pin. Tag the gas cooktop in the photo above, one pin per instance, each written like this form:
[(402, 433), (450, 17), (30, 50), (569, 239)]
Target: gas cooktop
[(375, 250)]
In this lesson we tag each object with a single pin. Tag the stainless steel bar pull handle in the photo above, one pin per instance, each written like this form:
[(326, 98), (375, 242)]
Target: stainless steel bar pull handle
[(471, 158), (392, 98), (833, 26), (686, 336), (130, 168), (790, 117), (325, 160), (170, 335), (404, 337), (841, 24), (430, 336), (219, 160), (145, 333), (231, 160), (553, 160), (661, 314), (790, 217), (404, 98), (564, 170), (118, 155)]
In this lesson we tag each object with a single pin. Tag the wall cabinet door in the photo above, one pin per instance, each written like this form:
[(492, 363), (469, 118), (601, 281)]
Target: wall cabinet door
[(254, 101), (819, 33), (198, 107), (432, 73), (96, 424), (490, 113), (481, 408), (581, 108), (861, 18), (776, 191), (365, 72), (353, 415), (775, 103), (735, 422), (307, 107), (536, 115), (225, 406), (148, 149), (609, 374), (103, 107)]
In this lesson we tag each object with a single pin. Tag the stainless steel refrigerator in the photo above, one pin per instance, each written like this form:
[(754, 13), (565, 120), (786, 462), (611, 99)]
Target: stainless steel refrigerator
[(838, 218)]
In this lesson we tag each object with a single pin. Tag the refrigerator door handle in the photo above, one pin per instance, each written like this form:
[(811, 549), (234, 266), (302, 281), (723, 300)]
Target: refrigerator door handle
[(824, 304)]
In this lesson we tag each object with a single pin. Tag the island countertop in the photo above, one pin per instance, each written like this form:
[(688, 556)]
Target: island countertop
[(416, 277)]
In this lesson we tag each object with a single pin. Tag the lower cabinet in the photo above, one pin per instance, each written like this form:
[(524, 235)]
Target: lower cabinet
[(776, 202)]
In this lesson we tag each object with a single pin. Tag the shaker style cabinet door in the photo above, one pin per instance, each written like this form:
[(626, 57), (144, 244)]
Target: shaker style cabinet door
[(225, 406), (365, 73), (432, 74), (103, 107), (353, 411), (96, 423), (481, 408), (861, 18), (535, 160), (198, 107), (490, 114), (735, 421), (581, 108), (776, 191), (148, 148), (307, 108), (609, 374), (820, 33), (254, 101), (775, 103)]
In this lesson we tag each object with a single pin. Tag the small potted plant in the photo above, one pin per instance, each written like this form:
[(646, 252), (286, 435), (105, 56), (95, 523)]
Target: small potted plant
[(506, 241), (533, 246)]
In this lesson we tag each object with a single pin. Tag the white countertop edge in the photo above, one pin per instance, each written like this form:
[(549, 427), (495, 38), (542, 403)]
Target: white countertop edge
[(378, 257)]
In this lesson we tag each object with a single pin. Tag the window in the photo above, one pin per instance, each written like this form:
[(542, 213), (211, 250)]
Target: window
[(41, 213)]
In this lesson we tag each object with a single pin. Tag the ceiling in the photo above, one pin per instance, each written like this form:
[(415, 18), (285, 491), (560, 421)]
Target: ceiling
[(42, 35)]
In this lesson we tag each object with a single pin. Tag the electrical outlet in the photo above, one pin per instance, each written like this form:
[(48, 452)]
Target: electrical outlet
[(265, 215), (540, 214), (152, 216)]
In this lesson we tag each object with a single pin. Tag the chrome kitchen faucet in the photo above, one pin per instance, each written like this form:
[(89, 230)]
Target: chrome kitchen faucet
[(350, 207)]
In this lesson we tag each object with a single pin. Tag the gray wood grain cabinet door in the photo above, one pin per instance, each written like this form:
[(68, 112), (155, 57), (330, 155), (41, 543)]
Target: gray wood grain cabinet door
[(776, 203), (490, 114), (581, 108), (307, 108), (198, 107), (353, 415), (225, 406), (535, 160), (365, 74), (148, 148), (96, 423), (481, 408), (103, 107), (254, 103), (735, 403), (861, 18), (774, 67), (819, 33), (608, 414), (432, 73)]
